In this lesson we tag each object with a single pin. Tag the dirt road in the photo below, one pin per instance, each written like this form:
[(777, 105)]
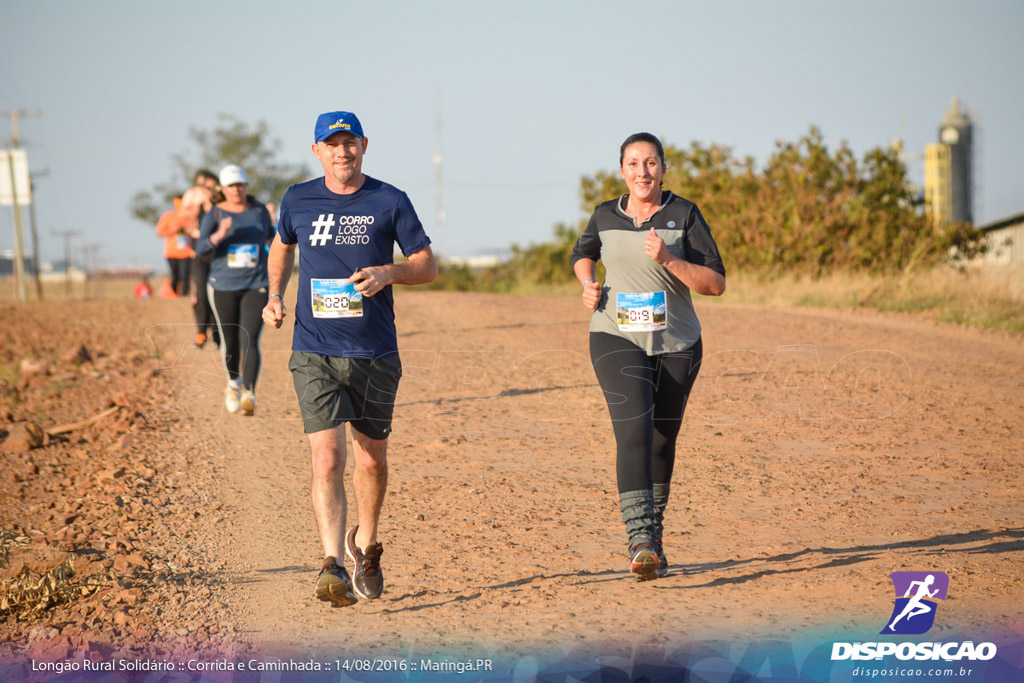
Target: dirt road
[(821, 451)]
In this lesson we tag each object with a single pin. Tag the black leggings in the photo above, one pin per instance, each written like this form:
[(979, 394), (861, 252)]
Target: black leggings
[(181, 269), (203, 311), (646, 398), (239, 318)]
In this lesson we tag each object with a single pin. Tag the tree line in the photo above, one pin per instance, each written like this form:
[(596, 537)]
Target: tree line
[(807, 210), (232, 141)]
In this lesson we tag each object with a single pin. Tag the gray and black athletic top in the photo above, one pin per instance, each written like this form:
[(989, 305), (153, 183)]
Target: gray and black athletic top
[(612, 237)]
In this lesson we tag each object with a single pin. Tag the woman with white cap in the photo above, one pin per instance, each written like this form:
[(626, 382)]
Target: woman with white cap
[(237, 231)]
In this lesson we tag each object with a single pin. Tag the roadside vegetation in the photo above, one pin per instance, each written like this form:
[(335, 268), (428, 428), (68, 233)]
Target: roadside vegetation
[(812, 227)]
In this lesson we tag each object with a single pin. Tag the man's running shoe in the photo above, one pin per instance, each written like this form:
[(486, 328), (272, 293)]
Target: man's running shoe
[(231, 398), (334, 585), (368, 579), (247, 402), (644, 562)]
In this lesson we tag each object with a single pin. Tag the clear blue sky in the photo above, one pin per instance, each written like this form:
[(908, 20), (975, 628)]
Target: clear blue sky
[(533, 94)]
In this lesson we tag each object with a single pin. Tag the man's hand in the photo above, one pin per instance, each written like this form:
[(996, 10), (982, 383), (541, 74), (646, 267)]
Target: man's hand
[(274, 312), (592, 294), (369, 281)]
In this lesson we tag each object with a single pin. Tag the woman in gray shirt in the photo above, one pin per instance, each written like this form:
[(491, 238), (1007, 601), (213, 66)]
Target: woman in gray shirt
[(645, 341)]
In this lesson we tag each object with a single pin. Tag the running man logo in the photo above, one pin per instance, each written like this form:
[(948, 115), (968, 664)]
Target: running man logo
[(321, 230), (917, 594)]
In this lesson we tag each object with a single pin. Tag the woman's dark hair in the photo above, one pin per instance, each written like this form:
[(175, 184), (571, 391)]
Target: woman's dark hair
[(642, 137), (207, 174)]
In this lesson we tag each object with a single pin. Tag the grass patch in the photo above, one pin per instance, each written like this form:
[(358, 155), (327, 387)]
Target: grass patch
[(29, 595), (987, 296), (9, 373)]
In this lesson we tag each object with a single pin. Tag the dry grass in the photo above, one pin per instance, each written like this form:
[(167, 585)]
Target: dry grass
[(29, 594), (105, 288), (990, 296), (8, 540)]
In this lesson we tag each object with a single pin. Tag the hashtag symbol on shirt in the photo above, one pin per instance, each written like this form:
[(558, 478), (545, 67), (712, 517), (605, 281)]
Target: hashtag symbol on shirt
[(322, 230)]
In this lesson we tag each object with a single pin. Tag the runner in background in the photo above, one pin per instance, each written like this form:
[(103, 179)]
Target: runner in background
[(236, 231), (142, 289), (344, 362), (174, 227), (645, 340), (206, 182)]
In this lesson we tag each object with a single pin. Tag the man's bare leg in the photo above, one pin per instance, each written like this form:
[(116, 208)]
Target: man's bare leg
[(370, 480), (329, 502)]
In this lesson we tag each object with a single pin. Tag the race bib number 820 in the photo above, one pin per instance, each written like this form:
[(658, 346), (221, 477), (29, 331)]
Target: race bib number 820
[(335, 299)]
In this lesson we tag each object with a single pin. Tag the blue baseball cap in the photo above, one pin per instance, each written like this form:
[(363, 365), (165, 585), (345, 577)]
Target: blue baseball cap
[(336, 122)]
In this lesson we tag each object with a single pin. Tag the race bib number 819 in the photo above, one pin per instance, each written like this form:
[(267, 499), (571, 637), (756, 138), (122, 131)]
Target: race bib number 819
[(641, 312)]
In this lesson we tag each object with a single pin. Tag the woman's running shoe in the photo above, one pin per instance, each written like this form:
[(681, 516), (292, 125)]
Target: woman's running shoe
[(247, 403), (231, 398), (662, 569), (644, 562)]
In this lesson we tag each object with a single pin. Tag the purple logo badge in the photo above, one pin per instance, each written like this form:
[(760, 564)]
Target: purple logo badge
[(917, 596)]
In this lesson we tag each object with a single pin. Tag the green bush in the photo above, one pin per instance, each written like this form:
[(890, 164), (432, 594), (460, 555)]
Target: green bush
[(808, 211)]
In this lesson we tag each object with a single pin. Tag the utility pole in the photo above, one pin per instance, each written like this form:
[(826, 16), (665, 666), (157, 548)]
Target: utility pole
[(89, 252), (438, 188), (35, 233), (67, 235), (19, 233)]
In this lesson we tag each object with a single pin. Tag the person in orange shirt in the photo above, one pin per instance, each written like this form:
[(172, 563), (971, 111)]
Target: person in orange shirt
[(177, 227), (142, 289)]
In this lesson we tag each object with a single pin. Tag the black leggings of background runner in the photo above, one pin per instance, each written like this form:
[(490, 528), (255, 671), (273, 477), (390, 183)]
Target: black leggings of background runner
[(180, 269), (203, 311), (239, 318), (646, 398)]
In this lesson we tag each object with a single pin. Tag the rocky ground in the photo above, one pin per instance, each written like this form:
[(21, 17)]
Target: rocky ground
[(94, 505)]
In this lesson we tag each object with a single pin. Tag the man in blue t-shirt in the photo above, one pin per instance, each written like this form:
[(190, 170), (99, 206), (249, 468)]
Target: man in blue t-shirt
[(344, 361)]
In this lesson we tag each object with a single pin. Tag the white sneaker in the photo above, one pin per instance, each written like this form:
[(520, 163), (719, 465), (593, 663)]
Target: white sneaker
[(248, 403), (231, 398)]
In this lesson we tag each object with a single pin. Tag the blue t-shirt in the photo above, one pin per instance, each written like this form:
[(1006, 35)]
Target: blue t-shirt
[(240, 259), (338, 234)]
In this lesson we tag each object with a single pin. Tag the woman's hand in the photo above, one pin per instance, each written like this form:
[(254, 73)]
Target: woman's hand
[(592, 294), (223, 227), (655, 248)]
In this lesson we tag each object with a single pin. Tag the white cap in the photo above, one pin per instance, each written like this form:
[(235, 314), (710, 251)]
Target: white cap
[(231, 174)]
